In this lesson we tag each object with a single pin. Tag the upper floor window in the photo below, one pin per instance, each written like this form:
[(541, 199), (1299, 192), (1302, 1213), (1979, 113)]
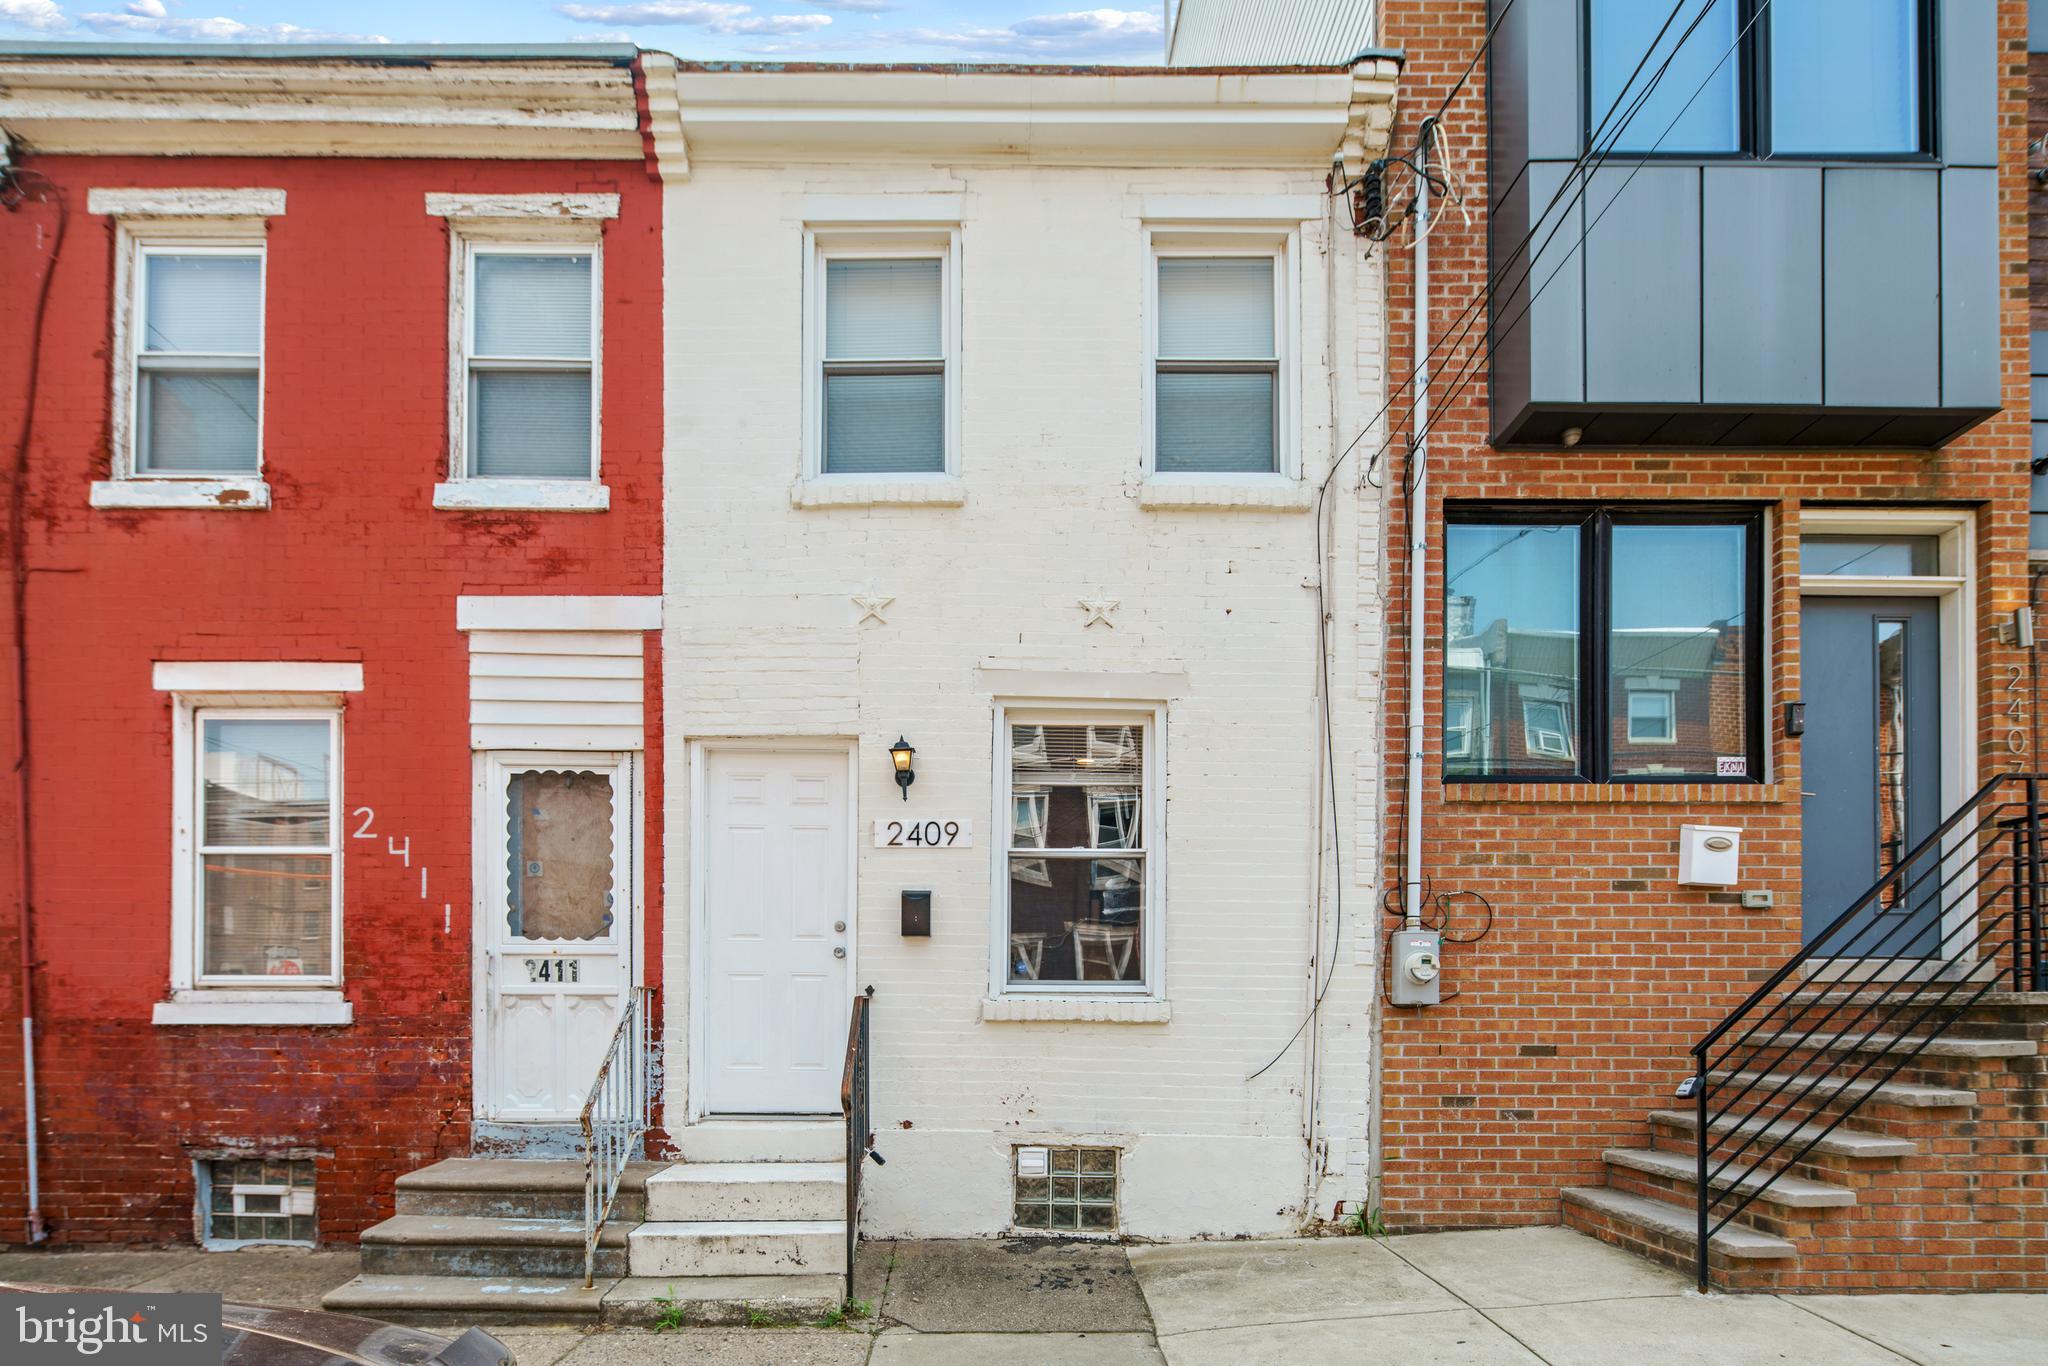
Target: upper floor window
[(884, 365), (1216, 359), (1603, 643), (530, 362), (197, 356), (1819, 78)]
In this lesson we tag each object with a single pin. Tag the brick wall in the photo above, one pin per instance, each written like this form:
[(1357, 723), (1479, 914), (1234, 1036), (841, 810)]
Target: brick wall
[(1572, 1019), (764, 639), (351, 563)]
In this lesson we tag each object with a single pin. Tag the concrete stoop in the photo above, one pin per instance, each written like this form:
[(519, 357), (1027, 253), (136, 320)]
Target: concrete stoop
[(1835, 1221), (749, 1228)]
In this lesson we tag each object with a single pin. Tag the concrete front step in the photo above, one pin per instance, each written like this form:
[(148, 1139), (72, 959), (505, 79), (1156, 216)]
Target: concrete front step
[(762, 1140), (468, 1299), (1842, 1142), (1789, 1192), (739, 1191), (763, 1247), (721, 1301), (1676, 1226), (473, 1245), (1966, 1047), (1906, 1095), (515, 1188)]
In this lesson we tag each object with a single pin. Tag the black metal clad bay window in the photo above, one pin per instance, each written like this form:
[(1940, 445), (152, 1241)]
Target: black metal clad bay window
[(1767, 78), (1602, 643)]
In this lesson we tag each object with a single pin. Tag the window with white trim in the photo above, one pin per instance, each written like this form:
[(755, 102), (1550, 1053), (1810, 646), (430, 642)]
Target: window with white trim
[(1080, 857), (1652, 716), (195, 358), (1547, 727), (1217, 361), (265, 868), (1460, 718), (882, 382), (529, 371)]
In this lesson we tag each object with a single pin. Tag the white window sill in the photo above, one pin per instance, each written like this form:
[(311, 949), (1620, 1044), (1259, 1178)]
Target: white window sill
[(1257, 493), (523, 495), (219, 495), (230, 1006), (908, 490), (1097, 1009)]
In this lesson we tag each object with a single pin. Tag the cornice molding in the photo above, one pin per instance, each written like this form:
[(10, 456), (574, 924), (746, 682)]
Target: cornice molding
[(1370, 123), (553, 109), (1076, 116), (665, 117)]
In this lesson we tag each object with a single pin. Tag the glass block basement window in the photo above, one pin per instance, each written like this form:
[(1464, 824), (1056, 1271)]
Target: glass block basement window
[(259, 1200), (1066, 1189)]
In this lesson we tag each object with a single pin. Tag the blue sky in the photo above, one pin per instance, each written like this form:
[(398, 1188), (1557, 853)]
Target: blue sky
[(793, 30)]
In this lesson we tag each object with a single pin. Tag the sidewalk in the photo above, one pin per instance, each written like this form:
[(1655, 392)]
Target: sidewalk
[(1491, 1299)]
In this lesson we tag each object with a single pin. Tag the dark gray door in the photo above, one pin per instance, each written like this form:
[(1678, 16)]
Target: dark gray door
[(1870, 670)]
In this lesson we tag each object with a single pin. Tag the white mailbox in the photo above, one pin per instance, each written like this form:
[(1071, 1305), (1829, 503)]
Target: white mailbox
[(1709, 855)]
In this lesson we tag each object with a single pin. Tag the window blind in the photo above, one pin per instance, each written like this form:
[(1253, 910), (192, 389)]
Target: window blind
[(883, 310), (1216, 308), (202, 305), (533, 306)]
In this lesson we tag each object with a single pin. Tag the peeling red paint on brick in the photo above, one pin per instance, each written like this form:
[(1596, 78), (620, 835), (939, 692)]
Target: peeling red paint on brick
[(350, 562)]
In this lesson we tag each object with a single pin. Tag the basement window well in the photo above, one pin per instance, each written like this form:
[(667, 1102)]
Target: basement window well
[(1065, 1190), (256, 1200)]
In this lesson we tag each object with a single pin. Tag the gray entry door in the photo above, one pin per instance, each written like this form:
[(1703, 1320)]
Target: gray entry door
[(1870, 670)]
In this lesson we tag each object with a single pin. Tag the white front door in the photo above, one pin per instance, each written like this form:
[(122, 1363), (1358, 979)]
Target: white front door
[(556, 843), (777, 855)]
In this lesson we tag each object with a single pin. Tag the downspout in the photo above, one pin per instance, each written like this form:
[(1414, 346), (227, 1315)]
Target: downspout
[(13, 194), (1418, 544)]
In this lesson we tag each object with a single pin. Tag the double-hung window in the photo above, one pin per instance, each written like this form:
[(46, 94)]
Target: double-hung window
[(529, 362), (1216, 363), (1079, 862), (883, 365), (265, 874), (196, 388), (1788, 78), (1602, 643)]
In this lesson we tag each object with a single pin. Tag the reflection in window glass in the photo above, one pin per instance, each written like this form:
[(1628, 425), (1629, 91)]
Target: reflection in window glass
[(1703, 71), (1678, 628), (267, 846), (1511, 652), (1845, 76), (1075, 794), (1869, 555), (559, 854)]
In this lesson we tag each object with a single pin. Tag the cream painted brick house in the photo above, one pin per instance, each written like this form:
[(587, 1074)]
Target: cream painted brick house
[(960, 452)]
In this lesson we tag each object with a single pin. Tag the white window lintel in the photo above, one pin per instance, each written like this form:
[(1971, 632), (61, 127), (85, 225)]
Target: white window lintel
[(255, 676), (523, 207), (165, 203)]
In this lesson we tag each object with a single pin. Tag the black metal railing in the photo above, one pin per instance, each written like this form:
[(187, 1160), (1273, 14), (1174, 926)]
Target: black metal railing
[(1957, 916), (860, 1137)]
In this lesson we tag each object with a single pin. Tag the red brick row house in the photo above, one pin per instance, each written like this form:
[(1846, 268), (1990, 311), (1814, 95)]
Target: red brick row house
[(335, 545)]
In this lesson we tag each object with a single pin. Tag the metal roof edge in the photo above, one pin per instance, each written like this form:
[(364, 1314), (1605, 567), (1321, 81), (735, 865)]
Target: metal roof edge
[(391, 54)]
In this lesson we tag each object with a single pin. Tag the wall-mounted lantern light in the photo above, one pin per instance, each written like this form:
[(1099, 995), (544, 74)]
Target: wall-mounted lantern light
[(901, 754)]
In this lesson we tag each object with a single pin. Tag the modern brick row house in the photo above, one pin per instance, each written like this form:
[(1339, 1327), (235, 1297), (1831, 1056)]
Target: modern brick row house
[(1720, 527)]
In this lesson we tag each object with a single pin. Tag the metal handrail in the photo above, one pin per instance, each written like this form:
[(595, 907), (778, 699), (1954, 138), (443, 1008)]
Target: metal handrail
[(615, 1118), (1905, 994), (853, 1104)]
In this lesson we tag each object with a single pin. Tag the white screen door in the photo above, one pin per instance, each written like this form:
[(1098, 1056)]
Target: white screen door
[(557, 836), (776, 857)]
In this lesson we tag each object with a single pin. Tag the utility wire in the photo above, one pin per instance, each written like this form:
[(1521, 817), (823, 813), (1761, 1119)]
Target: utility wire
[(1322, 492)]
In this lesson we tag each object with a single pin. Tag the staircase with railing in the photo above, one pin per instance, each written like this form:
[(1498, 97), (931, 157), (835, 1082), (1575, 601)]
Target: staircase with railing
[(615, 1118), (1871, 1115)]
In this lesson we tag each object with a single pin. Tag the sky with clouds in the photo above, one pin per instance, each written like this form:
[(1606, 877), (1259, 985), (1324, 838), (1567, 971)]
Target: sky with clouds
[(790, 30)]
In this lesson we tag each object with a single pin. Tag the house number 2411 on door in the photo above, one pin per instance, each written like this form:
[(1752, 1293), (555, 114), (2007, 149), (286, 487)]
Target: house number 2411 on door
[(901, 834)]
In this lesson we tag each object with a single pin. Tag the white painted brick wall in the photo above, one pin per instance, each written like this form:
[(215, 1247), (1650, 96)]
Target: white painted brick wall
[(763, 639)]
